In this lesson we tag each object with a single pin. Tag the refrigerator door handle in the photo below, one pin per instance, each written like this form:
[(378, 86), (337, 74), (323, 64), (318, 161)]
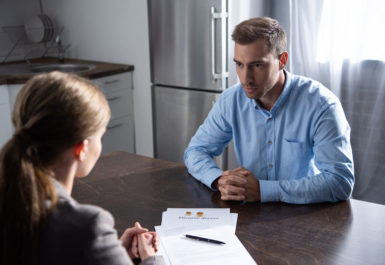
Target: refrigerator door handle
[(224, 74)]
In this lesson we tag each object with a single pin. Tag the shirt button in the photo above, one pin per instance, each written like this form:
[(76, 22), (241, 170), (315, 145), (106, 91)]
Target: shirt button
[(269, 142), (270, 165)]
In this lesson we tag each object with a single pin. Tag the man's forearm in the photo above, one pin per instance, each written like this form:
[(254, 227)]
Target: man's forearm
[(202, 166), (323, 187)]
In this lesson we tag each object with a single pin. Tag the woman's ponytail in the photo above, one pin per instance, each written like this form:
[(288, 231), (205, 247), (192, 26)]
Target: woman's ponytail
[(25, 188)]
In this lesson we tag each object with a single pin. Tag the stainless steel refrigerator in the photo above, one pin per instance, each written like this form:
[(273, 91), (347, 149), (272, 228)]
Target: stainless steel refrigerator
[(191, 55)]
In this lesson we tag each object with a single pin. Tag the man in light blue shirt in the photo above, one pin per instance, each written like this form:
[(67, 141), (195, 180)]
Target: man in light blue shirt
[(291, 137)]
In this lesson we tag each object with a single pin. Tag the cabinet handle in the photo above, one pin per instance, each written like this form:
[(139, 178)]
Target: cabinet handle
[(113, 98), (110, 127), (109, 82)]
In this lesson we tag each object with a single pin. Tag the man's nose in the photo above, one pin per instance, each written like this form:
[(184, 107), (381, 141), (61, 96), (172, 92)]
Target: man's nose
[(248, 76)]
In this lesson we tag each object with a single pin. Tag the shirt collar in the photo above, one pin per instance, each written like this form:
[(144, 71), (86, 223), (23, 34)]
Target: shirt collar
[(281, 99)]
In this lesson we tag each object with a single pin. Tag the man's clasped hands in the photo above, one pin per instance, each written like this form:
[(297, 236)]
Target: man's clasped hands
[(237, 185)]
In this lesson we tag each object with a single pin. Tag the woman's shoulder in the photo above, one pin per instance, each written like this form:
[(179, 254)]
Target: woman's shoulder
[(77, 232), (68, 209)]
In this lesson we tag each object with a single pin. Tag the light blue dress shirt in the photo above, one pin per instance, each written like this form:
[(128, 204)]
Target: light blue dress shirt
[(299, 150)]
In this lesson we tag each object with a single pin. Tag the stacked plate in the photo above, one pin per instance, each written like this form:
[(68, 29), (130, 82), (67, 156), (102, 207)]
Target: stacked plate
[(40, 28)]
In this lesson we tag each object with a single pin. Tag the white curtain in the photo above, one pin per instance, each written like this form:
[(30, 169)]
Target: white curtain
[(341, 44)]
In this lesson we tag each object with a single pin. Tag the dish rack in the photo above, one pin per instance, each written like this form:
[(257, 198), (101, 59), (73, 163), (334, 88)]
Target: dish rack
[(18, 37)]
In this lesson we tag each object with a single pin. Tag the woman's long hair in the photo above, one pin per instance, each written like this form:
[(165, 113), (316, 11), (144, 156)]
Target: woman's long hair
[(52, 113)]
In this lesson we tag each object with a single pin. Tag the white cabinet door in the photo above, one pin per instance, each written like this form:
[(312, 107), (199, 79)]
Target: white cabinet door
[(119, 135), (120, 131), (3, 95), (13, 90), (5, 116)]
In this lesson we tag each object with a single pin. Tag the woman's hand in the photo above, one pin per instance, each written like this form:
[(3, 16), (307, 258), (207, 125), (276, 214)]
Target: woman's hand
[(155, 240), (148, 245), (130, 240), (145, 245)]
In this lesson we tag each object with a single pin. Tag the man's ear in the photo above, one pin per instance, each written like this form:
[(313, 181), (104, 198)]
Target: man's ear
[(283, 60), (81, 150)]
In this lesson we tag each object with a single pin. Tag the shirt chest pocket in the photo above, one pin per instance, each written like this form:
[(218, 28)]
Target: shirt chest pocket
[(294, 158)]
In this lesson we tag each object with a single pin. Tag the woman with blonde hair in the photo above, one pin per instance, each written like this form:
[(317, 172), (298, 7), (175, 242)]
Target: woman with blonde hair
[(59, 120)]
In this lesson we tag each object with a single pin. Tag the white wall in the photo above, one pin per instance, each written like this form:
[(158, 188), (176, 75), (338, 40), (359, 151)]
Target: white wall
[(112, 31)]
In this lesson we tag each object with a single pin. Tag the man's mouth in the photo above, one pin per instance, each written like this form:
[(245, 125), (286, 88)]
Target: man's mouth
[(250, 89)]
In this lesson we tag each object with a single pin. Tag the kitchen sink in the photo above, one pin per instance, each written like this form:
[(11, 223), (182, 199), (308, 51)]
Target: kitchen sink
[(69, 68), (24, 68)]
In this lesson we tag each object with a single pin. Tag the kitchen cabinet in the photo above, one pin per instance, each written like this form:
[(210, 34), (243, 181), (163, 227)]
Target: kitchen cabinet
[(118, 90), (5, 116), (13, 90)]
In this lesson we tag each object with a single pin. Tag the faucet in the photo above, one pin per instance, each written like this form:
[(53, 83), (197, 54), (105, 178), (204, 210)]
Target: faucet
[(60, 49)]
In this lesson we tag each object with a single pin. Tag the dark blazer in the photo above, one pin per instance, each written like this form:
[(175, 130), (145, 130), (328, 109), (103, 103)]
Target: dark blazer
[(82, 234)]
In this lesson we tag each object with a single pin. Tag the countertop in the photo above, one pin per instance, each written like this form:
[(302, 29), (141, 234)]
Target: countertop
[(102, 69)]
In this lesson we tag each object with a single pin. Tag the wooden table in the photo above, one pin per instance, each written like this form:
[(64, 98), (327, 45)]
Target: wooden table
[(136, 188)]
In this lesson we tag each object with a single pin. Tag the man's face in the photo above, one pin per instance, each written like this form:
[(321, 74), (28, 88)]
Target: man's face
[(257, 68)]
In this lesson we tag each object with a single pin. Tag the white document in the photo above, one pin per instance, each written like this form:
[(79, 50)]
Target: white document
[(197, 217), (179, 250), (234, 218), (162, 252)]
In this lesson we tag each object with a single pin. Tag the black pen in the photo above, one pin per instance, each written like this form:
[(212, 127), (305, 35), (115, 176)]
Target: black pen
[(205, 239)]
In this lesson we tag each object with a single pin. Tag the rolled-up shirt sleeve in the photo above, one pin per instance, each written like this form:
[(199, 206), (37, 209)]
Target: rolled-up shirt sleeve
[(209, 141)]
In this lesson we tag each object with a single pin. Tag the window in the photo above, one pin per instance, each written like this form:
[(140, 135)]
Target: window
[(351, 29)]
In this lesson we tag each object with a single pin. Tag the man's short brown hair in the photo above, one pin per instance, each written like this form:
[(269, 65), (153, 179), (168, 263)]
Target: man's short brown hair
[(266, 28)]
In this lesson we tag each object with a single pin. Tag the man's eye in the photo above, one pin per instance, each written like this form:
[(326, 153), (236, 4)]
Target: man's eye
[(257, 65), (238, 64)]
